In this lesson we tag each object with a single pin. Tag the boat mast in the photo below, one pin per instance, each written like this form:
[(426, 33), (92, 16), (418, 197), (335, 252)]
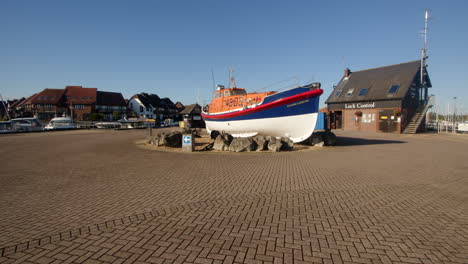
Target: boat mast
[(423, 58), (232, 81), (5, 107)]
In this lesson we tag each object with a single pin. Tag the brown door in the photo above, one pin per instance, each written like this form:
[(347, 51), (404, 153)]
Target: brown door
[(387, 121), (336, 120)]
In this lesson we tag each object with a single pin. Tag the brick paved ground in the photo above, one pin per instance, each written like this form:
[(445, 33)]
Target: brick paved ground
[(97, 197)]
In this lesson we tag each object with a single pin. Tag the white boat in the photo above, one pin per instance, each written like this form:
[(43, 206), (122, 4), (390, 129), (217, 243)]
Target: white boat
[(60, 123), (108, 125), (291, 113), (26, 124)]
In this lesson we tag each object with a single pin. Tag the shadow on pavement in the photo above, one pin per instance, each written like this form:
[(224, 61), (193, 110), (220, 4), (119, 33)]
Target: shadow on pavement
[(349, 141)]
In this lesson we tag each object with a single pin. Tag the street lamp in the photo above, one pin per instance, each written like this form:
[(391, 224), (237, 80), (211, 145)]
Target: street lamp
[(454, 128)]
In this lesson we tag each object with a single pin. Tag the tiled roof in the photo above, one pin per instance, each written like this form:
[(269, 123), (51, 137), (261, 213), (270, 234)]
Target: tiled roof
[(49, 96), (17, 102), (80, 95), (378, 81), (169, 103), (110, 99), (149, 99), (189, 108)]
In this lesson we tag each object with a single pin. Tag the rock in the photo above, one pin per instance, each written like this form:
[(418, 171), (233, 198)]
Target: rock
[(317, 139), (274, 144), (329, 139), (320, 144), (242, 144), (222, 142), (214, 134), (286, 144), (173, 139), (262, 143)]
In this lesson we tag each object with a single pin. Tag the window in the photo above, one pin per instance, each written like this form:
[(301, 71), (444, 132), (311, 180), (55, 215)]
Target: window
[(393, 89), (338, 93), (350, 92), (90, 98), (141, 109), (363, 92), (39, 98), (80, 107), (83, 98), (75, 97), (226, 93), (131, 105)]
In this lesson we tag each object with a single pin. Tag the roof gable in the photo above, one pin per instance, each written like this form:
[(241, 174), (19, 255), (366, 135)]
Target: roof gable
[(378, 81), (110, 99)]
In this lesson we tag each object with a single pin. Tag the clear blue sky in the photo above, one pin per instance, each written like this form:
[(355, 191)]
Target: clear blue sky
[(170, 47)]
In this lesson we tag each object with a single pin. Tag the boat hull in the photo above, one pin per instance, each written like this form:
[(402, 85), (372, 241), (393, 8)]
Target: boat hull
[(294, 117)]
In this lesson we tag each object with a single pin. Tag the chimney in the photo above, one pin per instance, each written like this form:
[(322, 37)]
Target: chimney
[(347, 72)]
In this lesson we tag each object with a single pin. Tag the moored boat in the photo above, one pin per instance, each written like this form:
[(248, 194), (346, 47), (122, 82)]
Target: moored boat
[(291, 113)]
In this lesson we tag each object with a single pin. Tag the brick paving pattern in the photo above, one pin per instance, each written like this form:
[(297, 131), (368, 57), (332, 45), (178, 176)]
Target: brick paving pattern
[(97, 197)]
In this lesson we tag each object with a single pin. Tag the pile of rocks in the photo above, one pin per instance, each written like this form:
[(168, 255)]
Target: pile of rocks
[(226, 142), (172, 139)]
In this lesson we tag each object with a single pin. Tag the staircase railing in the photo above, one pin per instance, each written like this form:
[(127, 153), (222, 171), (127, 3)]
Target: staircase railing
[(419, 115)]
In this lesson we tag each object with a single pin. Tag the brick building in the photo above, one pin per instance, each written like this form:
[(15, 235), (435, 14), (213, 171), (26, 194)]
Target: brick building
[(75, 101), (385, 99)]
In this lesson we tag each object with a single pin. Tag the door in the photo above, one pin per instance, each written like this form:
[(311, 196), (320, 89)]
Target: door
[(387, 121)]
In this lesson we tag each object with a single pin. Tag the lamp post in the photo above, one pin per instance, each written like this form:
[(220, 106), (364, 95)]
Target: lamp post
[(454, 128)]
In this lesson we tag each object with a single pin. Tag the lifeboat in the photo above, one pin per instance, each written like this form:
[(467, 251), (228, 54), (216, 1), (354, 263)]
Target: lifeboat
[(291, 113)]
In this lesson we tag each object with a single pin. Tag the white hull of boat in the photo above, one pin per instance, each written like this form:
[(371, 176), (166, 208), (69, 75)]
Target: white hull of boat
[(298, 127)]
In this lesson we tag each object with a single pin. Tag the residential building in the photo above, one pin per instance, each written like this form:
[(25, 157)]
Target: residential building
[(385, 99), (153, 107), (192, 116), (76, 101), (111, 105)]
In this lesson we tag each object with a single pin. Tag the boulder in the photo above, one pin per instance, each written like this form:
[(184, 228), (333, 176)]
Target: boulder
[(214, 134), (329, 139), (173, 139), (286, 144), (242, 144), (222, 142), (262, 143), (274, 144), (317, 139)]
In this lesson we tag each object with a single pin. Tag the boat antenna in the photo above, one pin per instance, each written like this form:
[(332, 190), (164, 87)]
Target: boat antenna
[(424, 53), (232, 81), (213, 79)]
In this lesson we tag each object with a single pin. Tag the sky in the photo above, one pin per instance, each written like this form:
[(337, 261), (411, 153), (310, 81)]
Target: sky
[(174, 48)]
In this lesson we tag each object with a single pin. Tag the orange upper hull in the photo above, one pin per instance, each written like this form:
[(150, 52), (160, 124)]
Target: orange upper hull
[(234, 98)]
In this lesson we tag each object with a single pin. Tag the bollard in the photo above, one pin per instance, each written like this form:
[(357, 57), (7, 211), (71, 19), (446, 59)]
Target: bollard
[(187, 142)]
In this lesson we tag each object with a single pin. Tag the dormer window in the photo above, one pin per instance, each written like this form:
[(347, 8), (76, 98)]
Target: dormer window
[(363, 91), (393, 89), (338, 93), (350, 92)]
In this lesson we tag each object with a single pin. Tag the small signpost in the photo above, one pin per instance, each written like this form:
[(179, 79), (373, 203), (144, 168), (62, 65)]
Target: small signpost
[(187, 142)]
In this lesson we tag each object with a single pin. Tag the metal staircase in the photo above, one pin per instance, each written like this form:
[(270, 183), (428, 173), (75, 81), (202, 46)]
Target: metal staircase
[(418, 117)]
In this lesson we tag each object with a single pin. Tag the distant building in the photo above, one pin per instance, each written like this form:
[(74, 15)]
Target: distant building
[(153, 107), (192, 116), (76, 101), (111, 105), (179, 106), (385, 99)]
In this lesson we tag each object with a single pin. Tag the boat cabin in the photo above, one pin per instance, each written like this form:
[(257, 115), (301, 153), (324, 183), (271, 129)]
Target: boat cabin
[(225, 100)]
